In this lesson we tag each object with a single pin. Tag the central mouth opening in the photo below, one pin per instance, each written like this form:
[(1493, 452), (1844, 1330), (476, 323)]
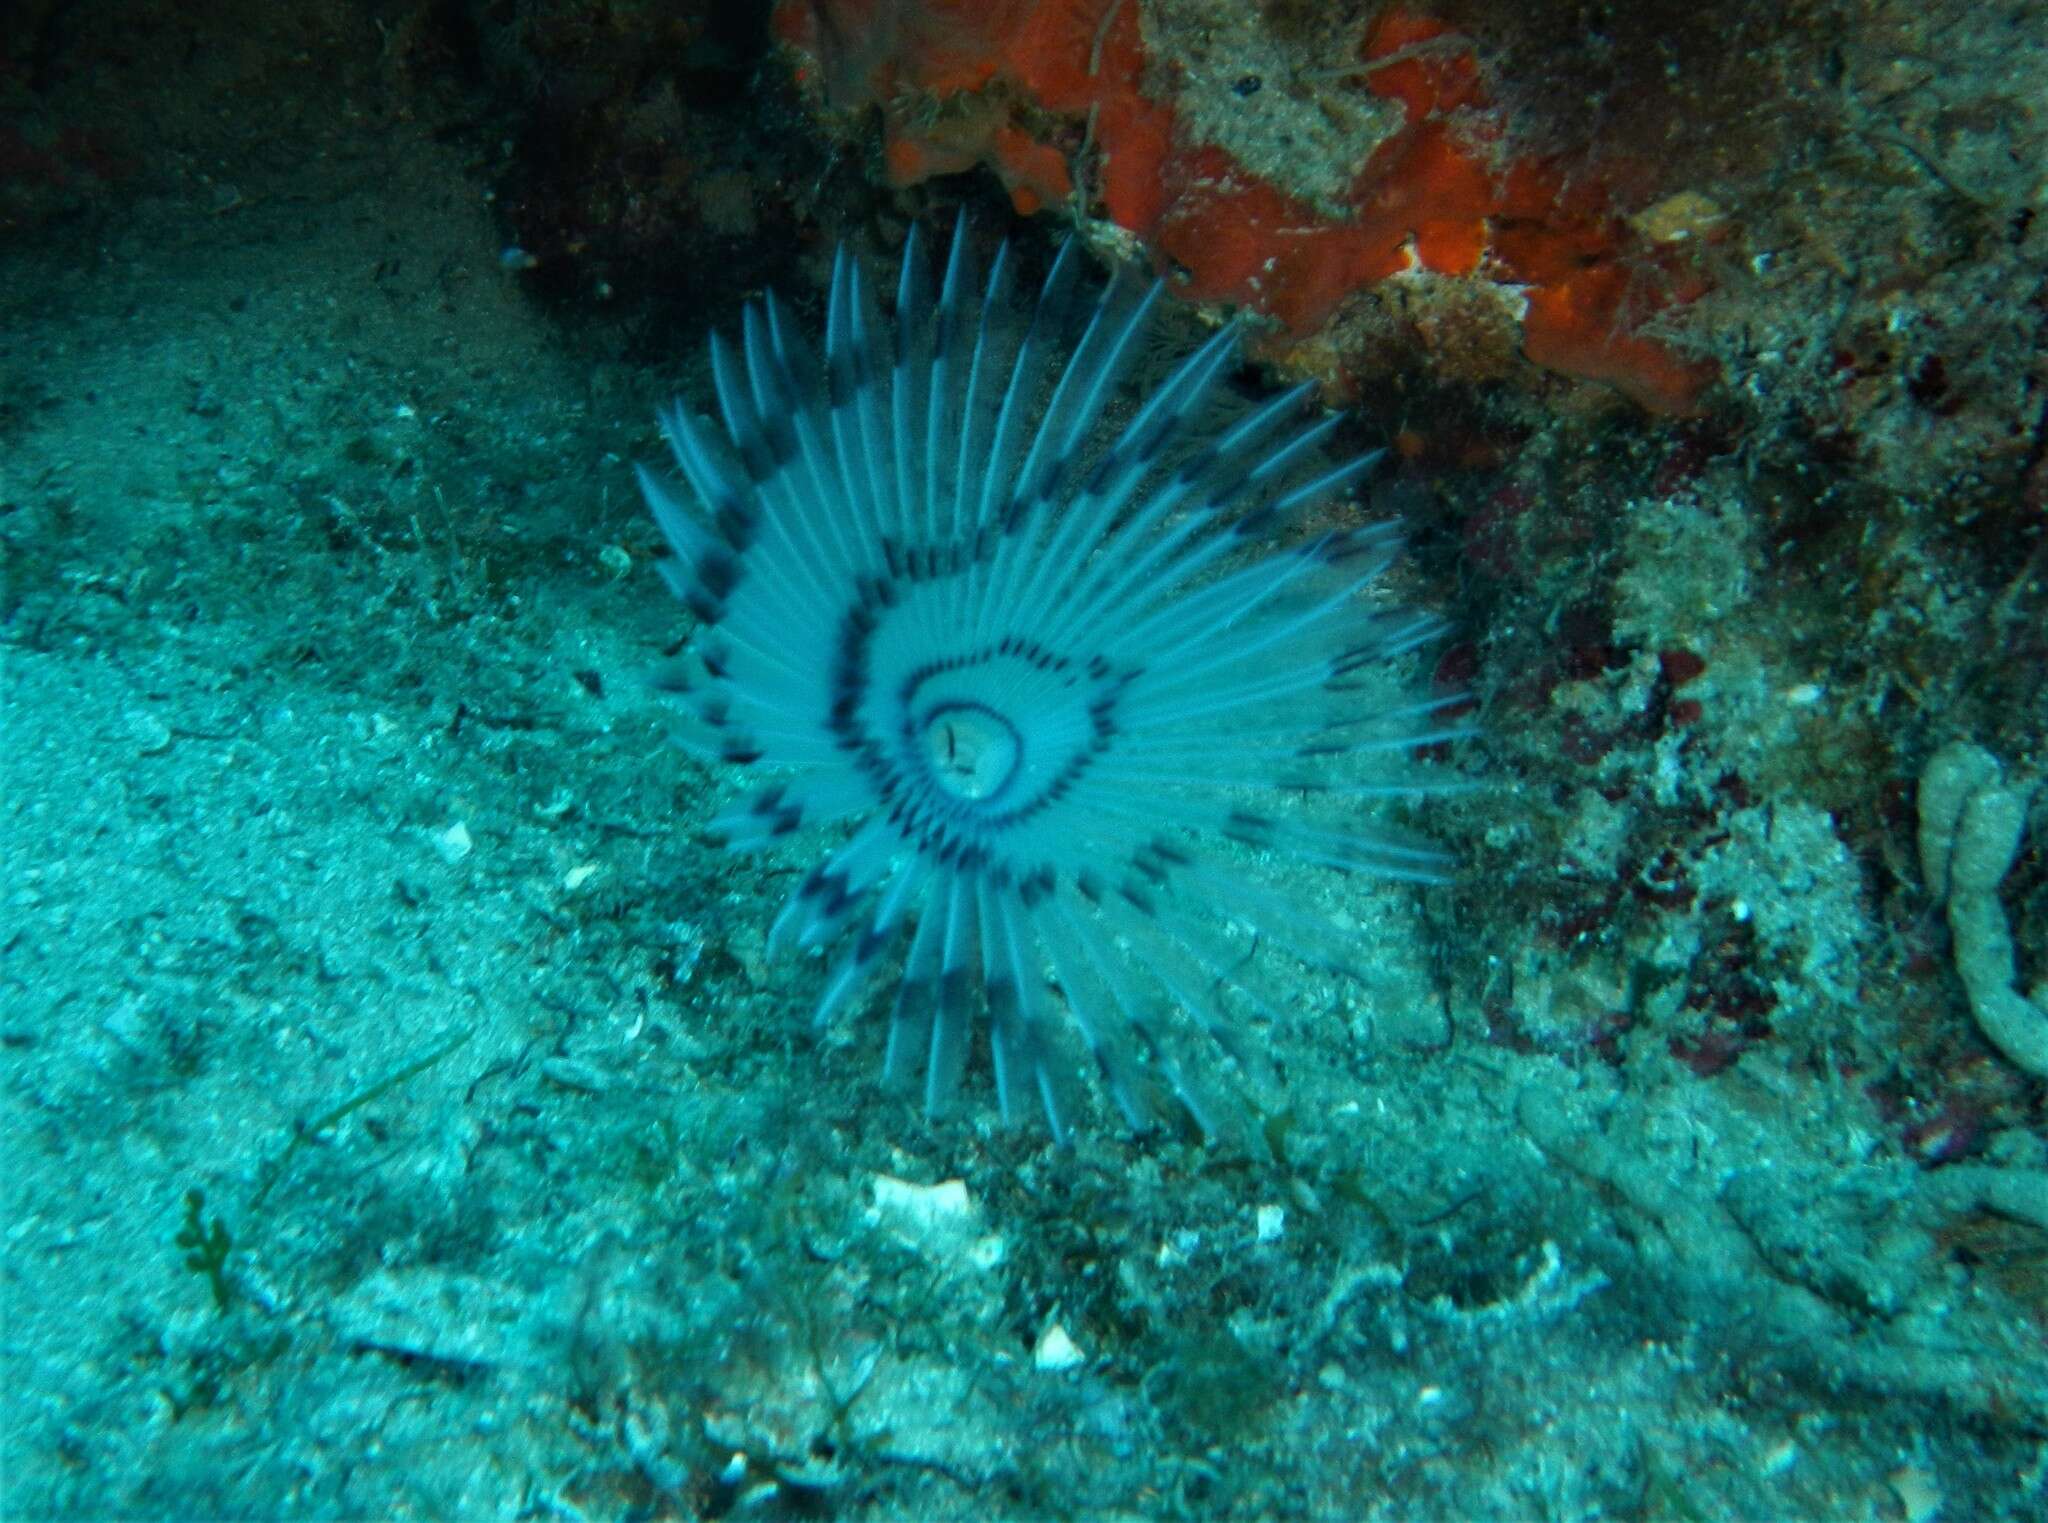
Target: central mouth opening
[(973, 750)]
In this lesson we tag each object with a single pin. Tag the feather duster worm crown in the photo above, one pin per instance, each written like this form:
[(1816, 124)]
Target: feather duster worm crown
[(1092, 687)]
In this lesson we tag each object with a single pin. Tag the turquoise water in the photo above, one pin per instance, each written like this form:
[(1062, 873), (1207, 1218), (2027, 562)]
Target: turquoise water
[(407, 1113)]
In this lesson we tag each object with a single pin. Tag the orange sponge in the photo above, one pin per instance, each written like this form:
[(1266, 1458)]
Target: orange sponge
[(1437, 195)]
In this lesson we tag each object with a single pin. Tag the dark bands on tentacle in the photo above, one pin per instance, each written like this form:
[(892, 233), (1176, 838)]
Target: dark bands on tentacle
[(1044, 655)]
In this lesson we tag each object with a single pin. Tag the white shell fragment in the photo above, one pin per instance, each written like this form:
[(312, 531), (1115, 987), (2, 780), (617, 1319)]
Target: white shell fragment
[(942, 1220), (923, 1209)]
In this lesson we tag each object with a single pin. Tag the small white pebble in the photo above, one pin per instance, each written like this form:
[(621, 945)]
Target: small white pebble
[(1269, 1222), (986, 1252), (1918, 1493), (151, 735), (454, 843), (1056, 1351), (579, 875)]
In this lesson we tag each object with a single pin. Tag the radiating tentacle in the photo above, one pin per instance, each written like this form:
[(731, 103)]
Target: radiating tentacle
[(1092, 679)]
